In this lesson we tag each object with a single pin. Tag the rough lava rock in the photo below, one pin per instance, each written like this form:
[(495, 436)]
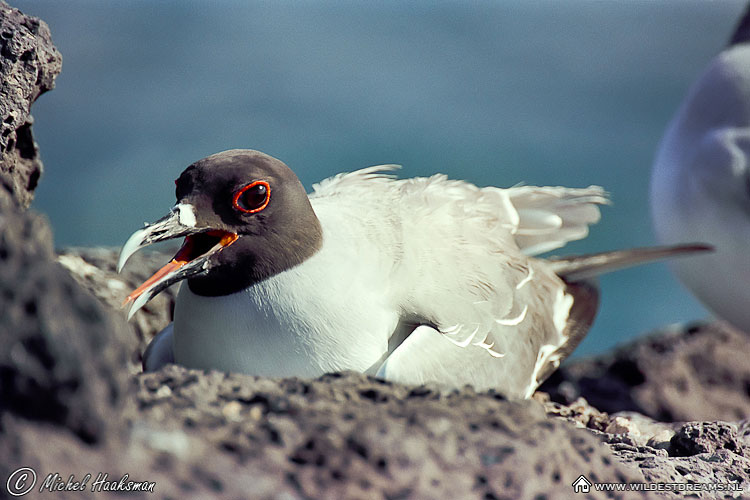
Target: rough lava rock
[(203, 434), (59, 363), (29, 64), (72, 400), (62, 352), (62, 349), (96, 270), (699, 452), (692, 372)]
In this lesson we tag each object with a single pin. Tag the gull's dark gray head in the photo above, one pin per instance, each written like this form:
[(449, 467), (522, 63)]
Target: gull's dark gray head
[(245, 217)]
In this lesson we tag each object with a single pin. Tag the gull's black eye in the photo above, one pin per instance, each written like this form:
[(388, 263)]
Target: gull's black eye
[(252, 198)]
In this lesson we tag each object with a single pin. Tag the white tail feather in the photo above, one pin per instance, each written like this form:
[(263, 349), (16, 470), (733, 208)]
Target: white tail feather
[(550, 217)]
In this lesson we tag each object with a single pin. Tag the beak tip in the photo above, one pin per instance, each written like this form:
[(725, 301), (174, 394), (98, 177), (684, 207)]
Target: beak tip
[(134, 243), (136, 303)]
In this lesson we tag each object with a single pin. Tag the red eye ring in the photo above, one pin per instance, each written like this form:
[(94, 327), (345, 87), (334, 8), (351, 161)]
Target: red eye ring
[(241, 191)]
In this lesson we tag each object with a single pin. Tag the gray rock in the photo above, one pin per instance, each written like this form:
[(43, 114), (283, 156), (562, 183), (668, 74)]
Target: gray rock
[(72, 400), (62, 353), (708, 453), (707, 456), (61, 349), (642, 430), (696, 372), (29, 64), (95, 269), (205, 434), (60, 366), (695, 438), (723, 469), (351, 436)]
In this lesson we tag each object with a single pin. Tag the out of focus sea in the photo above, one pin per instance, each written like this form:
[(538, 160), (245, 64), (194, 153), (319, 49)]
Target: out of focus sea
[(552, 92)]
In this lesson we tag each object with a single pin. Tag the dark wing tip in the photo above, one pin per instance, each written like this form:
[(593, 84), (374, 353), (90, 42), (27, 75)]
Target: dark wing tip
[(580, 318), (742, 30), (689, 248)]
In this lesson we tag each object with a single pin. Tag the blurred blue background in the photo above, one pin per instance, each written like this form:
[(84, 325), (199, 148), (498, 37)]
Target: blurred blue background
[(553, 93)]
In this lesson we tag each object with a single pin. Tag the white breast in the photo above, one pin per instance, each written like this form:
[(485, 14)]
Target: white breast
[(330, 313), (699, 186)]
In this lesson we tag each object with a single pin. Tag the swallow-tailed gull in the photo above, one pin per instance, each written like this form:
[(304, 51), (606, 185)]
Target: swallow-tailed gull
[(700, 188), (416, 280)]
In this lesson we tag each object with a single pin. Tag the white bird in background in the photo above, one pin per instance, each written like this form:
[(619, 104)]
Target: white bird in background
[(416, 280), (700, 188)]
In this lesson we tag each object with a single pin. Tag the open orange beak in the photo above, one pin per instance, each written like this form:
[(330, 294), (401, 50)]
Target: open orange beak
[(191, 259), (184, 255)]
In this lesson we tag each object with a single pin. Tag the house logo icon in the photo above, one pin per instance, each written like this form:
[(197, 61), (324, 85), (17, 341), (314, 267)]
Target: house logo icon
[(581, 485)]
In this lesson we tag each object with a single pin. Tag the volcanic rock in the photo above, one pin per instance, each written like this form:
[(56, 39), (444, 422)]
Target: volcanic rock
[(689, 372), (73, 400), (29, 64)]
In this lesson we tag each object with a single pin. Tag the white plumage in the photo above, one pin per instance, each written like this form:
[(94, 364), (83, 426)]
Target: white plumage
[(701, 184), (415, 280), (405, 252)]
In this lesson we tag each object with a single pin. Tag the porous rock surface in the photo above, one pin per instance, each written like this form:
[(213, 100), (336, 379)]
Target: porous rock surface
[(690, 372), (200, 434), (341, 436), (350, 436), (73, 401), (29, 64), (62, 349), (96, 270)]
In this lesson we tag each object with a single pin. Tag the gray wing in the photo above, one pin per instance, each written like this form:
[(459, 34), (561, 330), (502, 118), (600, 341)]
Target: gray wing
[(489, 314), (427, 356), (159, 352)]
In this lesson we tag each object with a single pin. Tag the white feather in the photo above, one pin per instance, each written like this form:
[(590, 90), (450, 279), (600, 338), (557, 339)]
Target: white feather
[(186, 214), (431, 250), (514, 321), (700, 189)]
